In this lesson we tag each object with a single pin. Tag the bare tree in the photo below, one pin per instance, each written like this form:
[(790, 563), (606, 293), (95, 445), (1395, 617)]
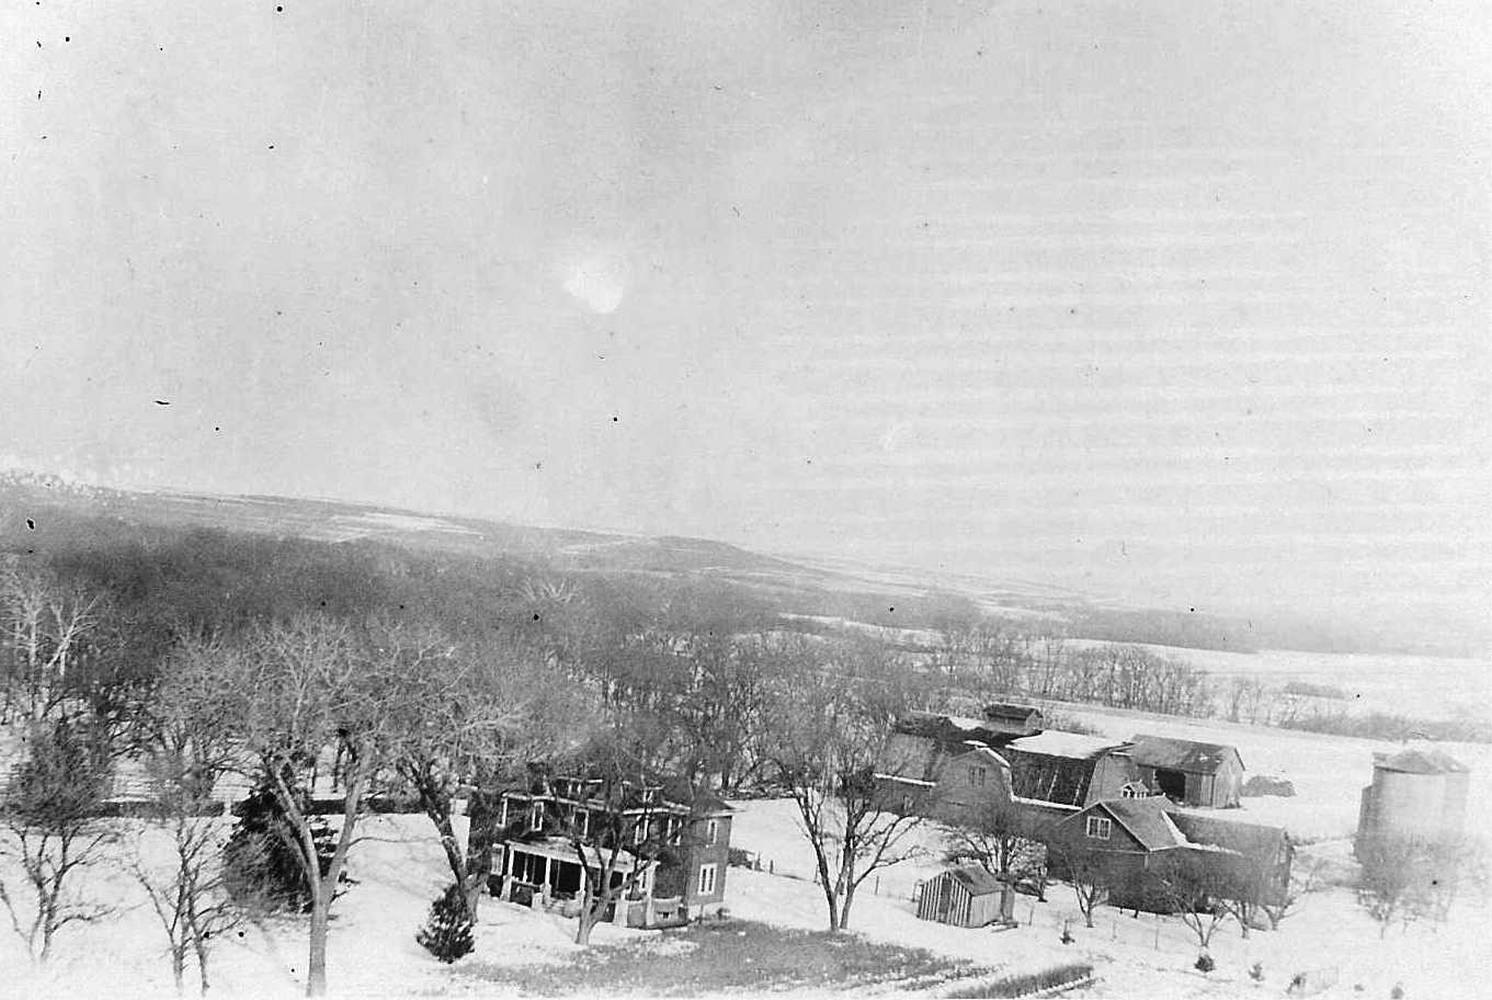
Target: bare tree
[(49, 825), (463, 717), (1404, 878), (831, 734), (188, 893), (1089, 877), (1195, 891), (44, 623), (995, 840), (1306, 879), (297, 691)]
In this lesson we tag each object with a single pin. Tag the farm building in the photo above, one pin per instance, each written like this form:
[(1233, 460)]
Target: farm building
[(1419, 793), (961, 770), (966, 897), (1123, 843), (1188, 772), (1018, 720)]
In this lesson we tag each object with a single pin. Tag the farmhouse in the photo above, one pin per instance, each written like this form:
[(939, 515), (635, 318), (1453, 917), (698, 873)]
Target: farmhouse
[(667, 844), (1189, 772)]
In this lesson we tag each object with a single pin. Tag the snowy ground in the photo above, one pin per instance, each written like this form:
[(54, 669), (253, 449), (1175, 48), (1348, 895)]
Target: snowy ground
[(1147, 956), (400, 870)]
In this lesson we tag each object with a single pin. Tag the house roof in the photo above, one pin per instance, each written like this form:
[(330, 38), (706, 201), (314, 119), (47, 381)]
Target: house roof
[(1181, 755), (1004, 710), (1415, 761), (978, 881), (1147, 820), (1250, 839)]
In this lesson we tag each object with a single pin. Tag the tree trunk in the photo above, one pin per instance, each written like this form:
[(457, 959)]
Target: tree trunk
[(316, 961), (481, 837), (200, 944)]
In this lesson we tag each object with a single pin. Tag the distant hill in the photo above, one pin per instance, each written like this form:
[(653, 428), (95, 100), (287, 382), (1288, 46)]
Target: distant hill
[(41, 514)]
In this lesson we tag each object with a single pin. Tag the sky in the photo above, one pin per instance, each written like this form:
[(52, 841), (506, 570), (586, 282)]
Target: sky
[(1181, 301)]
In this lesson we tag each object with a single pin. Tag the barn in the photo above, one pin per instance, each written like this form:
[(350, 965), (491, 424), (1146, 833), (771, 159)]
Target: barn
[(1189, 772), (965, 897)]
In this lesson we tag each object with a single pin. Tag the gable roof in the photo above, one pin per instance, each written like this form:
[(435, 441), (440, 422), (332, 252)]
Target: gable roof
[(1005, 710), (1182, 755), (978, 881), (1147, 820), (1416, 761)]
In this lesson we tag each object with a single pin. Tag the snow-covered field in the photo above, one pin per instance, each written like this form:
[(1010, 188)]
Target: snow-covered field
[(1424, 686), (1147, 956)]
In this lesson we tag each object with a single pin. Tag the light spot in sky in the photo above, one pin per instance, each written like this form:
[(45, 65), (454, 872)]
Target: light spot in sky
[(598, 280)]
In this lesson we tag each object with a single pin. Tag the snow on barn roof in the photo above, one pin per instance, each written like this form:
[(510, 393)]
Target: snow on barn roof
[(1055, 743), (1414, 761), (1181, 755)]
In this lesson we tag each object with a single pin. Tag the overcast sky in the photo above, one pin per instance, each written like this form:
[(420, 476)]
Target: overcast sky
[(1178, 300)]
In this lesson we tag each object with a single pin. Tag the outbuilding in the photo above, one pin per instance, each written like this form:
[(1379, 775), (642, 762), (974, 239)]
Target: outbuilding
[(966, 897), (1189, 772)]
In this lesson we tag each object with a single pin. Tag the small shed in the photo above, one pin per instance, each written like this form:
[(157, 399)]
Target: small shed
[(1021, 720), (966, 897)]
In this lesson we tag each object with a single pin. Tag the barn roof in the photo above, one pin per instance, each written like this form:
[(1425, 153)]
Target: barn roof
[(1250, 839), (951, 729), (1181, 755), (1415, 761), (978, 881), (1049, 778), (1004, 710)]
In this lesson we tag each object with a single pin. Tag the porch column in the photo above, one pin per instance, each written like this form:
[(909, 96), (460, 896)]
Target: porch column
[(507, 893), (544, 887)]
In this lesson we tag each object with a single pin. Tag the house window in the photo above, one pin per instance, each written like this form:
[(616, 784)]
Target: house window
[(712, 831), (640, 831), (907, 802), (977, 776), (536, 816), (502, 818), (1099, 828), (583, 822), (707, 879)]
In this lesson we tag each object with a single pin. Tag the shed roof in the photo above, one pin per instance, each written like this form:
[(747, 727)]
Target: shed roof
[(1416, 761), (978, 881), (1181, 755)]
